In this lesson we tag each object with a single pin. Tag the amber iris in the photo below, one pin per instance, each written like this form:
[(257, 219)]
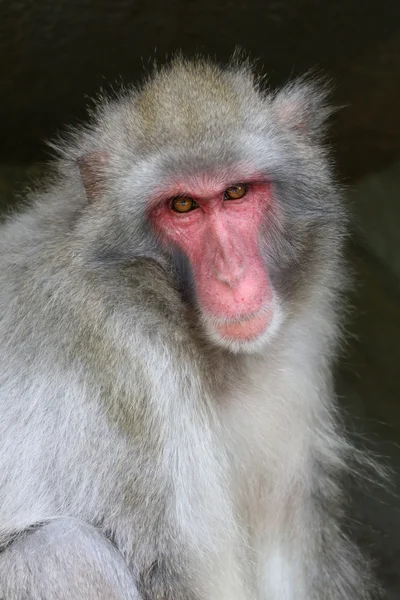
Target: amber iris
[(235, 192), (183, 204)]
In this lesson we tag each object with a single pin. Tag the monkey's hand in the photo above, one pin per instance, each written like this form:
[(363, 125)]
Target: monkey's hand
[(64, 560)]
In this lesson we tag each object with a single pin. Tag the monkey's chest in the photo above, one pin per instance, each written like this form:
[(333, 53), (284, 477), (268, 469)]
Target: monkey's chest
[(268, 451)]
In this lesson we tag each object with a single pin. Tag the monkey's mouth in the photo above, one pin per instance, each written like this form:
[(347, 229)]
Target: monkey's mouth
[(245, 329)]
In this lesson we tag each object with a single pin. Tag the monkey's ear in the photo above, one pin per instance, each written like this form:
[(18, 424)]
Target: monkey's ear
[(302, 106), (92, 168)]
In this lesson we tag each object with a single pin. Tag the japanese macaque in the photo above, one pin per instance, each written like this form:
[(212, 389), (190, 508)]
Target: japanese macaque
[(170, 310)]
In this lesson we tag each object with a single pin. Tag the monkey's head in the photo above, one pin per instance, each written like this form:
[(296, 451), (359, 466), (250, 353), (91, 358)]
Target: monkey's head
[(227, 181)]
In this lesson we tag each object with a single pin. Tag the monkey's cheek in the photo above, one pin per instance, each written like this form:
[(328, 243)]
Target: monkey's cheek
[(246, 330)]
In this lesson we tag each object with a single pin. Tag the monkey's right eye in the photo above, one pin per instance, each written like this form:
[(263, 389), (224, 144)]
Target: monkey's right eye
[(183, 204)]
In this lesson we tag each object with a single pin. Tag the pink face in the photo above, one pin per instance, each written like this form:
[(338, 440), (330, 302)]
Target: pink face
[(218, 229)]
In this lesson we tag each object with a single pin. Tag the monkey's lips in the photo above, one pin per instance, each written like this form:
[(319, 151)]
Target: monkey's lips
[(247, 329)]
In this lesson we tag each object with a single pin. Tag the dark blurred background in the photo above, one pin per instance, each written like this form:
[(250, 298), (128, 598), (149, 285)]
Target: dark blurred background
[(56, 53)]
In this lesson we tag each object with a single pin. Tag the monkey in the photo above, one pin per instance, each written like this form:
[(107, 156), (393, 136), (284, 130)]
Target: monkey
[(171, 310)]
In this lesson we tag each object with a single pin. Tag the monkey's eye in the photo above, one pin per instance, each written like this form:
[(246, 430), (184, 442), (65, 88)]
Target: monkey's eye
[(235, 192), (183, 204)]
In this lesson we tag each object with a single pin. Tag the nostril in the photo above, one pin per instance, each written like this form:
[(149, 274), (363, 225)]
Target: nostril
[(232, 276), (228, 264)]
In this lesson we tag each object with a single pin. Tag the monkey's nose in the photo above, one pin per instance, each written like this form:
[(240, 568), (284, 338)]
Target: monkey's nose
[(232, 276), (228, 262), (229, 267)]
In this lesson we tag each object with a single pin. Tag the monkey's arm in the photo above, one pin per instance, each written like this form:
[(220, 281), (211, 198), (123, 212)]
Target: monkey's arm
[(64, 560)]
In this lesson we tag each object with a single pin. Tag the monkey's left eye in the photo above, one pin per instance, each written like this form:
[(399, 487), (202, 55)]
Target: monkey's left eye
[(235, 192), (183, 204)]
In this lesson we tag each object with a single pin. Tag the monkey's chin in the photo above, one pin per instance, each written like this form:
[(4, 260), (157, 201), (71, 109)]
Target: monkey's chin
[(249, 334)]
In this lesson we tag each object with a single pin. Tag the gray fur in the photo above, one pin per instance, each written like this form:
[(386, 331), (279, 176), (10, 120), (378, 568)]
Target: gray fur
[(191, 471)]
